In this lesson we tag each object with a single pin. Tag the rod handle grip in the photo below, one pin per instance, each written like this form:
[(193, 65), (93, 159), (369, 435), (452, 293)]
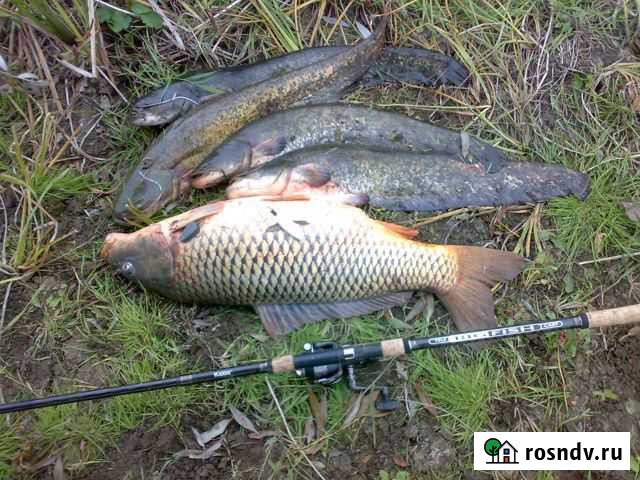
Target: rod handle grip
[(614, 316)]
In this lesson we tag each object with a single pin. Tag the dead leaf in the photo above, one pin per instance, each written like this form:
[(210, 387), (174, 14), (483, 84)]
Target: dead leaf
[(242, 420), (400, 462), (319, 411), (264, 434), (3, 64), (599, 242), (205, 437), (633, 96), (633, 332), (367, 406), (309, 431), (424, 304), (34, 467), (352, 413), (200, 454), (426, 401), (58, 470), (362, 30), (401, 370), (632, 209)]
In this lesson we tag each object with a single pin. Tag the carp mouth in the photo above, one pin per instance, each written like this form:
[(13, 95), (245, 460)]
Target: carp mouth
[(110, 242)]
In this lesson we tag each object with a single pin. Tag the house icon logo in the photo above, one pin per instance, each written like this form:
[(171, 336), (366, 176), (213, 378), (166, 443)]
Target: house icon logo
[(500, 452)]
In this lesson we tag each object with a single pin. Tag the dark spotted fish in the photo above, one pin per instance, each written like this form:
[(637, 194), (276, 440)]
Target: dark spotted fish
[(165, 170), (301, 127), (409, 181), (395, 65)]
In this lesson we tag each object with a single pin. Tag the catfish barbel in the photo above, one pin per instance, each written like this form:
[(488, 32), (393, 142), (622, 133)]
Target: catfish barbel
[(300, 127), (405, 181), (298, 262), (165, 169), (395, 65)]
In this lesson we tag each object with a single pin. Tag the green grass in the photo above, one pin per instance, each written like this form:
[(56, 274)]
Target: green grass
[(462, 386), (9, 447)]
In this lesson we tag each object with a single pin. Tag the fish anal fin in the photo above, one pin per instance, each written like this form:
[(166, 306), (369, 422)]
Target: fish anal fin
[(406, 232), (282, 319)]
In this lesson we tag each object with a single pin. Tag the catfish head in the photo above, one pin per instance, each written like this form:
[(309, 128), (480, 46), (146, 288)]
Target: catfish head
[(235, 157), (149, 189), (165, 104)]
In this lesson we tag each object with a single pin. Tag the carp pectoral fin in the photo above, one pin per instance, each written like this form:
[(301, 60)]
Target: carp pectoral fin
[(282, 319), (180, 221), (406, 232)]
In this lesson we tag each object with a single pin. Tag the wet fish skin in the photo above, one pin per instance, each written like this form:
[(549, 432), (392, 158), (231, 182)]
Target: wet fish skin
[(406, 181), (301, 127), (396, 65), (302, 261), (186, 144)]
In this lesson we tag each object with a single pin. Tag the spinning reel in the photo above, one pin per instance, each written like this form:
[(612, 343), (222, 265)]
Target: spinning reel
[(332, 373)]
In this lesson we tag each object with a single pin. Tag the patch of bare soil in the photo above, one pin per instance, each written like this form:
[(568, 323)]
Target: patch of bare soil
[(390, 443)]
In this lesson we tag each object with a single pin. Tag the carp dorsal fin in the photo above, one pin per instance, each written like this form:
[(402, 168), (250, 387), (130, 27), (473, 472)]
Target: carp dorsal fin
[(178, 222), (406, 232), (282, 319)]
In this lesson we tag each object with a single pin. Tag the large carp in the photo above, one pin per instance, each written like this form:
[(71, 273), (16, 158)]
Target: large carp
[(299, 262)]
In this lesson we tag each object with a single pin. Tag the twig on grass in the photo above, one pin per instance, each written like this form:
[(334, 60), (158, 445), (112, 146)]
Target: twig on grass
[(609, 259), (291, 437)]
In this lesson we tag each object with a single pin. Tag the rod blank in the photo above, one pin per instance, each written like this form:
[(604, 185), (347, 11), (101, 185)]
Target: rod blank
[(342, 356)]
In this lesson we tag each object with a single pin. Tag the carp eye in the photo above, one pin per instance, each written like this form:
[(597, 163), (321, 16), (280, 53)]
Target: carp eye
[(127, 269)]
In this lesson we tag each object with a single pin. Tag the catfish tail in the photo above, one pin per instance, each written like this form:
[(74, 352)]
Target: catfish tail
[(469, 301)]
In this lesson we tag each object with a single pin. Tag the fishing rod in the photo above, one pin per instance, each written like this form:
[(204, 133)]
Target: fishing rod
[(326, 362)]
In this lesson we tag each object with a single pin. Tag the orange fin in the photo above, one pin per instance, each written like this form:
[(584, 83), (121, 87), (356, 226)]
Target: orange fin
[(288, 197), (469, 301), (406, 232), (180, 221)]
